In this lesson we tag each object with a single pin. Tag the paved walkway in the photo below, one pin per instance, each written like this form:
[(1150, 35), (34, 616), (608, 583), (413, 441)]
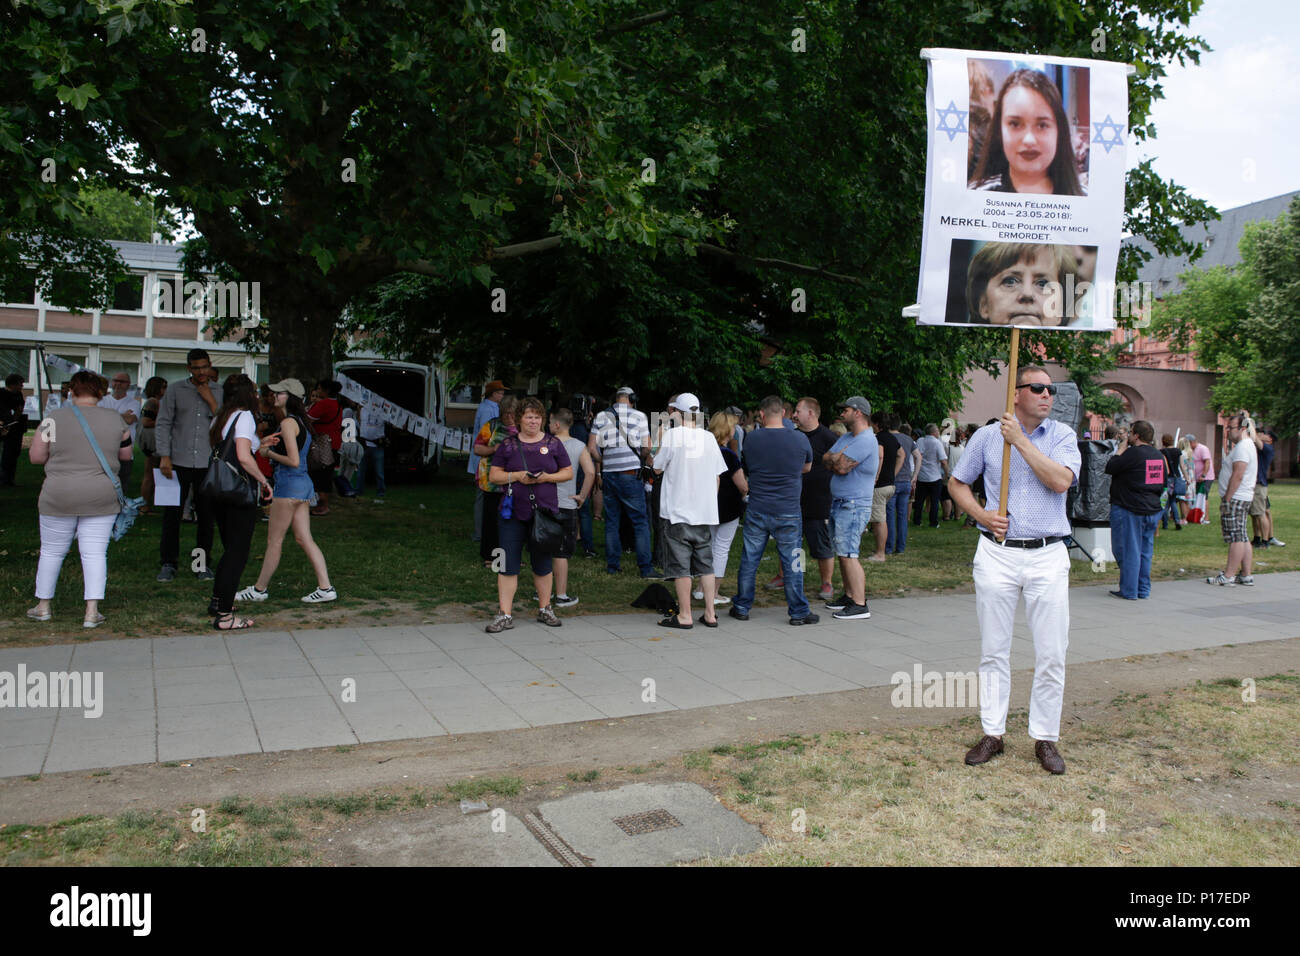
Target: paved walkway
[(213, 695)]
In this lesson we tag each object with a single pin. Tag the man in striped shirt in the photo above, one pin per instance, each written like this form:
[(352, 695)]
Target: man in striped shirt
[(620, 436)]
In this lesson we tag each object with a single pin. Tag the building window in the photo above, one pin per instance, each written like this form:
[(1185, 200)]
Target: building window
[(466, 395), (20, 289), (128, 295)]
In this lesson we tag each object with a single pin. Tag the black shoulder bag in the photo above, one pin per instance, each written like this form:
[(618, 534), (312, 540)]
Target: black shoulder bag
[(227, 483)]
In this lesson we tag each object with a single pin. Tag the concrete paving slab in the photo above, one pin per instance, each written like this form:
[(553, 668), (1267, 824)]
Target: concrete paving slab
[(214, 718), (127, 723), (78, 753), (210, 692), (54, 658), (447, 676), (274, 668), (29, 733), (627, 705), (198, 674), (478, 719), (692, 824), (208, 743), (440, 837), (423, 660), (545, 712), (276, 687), (22, 761)]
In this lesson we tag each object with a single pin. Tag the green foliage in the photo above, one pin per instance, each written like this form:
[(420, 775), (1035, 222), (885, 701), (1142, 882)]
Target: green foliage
[(109, 213), (1241, 322), (405, 159)]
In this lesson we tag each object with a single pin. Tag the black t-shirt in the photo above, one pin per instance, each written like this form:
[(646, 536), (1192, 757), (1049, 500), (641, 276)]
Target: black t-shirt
[(815, 499), (1173, 455), (888, 455), (1137, 478), (729, 503), (11, 406)]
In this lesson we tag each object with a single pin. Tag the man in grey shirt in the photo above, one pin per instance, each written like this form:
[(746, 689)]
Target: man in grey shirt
[(931, 475), (184, 417)]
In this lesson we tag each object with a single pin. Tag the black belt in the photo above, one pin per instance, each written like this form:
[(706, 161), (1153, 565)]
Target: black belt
[(1023, 542)]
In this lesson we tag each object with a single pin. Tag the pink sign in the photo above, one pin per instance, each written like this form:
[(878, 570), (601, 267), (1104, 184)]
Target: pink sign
[(1156, 471)]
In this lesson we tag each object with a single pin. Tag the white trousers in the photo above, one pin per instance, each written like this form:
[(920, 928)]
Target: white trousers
[(92, 533), (723, 535), (1042, 575)]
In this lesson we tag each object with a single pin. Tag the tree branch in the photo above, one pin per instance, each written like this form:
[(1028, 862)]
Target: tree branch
[(778, 264), (636, 23)]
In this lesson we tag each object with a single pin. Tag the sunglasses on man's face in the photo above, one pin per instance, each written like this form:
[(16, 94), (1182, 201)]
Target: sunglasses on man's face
[(1037, 388)]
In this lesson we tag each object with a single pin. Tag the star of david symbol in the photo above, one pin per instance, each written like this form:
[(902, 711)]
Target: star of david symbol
[(947, 116), (1116, 131)]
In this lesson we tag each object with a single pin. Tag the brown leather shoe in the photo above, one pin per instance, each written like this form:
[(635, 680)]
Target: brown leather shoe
[(1047, 755), (984, 751)]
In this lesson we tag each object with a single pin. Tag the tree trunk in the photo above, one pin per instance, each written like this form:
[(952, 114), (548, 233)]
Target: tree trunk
[(300, 342)]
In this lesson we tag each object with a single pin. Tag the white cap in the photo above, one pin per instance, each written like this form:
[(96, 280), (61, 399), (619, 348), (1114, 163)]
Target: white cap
[(686, 402)]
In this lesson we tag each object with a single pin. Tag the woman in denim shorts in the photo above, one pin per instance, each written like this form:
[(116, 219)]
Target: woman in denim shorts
[(292, 497)]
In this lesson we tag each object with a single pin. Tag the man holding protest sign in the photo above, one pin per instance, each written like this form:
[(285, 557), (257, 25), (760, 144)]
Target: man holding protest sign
[(1022, 553)]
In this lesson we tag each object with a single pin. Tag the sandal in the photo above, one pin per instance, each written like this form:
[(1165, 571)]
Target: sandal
[(707, 623), (232, 623), (672, 621)]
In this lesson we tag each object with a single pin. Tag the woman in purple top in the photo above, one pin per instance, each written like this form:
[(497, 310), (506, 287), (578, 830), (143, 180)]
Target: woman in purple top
[(527, 466)]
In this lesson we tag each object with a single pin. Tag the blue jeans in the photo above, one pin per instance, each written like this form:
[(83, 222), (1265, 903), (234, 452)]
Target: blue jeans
[(1132, 540), (788, 532), (896, 519), (584, 523), (626, 492), (372, 457)]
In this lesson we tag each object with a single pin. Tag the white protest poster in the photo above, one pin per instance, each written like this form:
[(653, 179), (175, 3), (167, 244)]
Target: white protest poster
[(451, 439), (437, 432), (421, 427), (1024, 191), (466, 442)]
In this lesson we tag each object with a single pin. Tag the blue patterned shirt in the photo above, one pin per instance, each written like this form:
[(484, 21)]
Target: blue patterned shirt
[(1034, 510)]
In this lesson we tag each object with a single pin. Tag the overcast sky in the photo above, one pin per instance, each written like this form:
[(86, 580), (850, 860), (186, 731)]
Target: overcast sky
[(1229, 129)]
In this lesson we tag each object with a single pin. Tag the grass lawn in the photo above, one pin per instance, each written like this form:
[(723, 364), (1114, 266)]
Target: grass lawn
[(411, 559), (1192, 776)]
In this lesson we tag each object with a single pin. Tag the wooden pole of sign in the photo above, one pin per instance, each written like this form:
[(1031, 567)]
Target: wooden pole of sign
[(1011, 404)]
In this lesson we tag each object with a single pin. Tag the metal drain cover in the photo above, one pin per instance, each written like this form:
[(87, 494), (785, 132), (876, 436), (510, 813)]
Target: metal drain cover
[(648, 822)]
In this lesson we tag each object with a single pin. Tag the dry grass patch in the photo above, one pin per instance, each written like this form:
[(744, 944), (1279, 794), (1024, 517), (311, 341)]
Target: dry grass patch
[(1188, 777)]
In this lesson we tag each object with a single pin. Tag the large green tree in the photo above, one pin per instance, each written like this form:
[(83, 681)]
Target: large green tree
[(410, 158), (1242, 322)]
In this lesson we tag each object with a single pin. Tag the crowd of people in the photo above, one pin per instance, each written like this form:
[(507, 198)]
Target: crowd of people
[(674, 487), (267, 435), (814, 489)]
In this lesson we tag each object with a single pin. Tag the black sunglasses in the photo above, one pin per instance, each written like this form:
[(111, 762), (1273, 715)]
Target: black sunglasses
[(1037, 388)]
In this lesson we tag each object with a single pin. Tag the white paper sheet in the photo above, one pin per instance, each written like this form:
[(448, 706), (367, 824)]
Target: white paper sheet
[(167, 491)]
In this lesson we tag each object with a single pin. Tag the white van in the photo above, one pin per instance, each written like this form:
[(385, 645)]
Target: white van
[(420, 389)]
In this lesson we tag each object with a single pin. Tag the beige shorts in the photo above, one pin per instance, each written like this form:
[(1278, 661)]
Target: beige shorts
[(880, 501), (1259, 503)]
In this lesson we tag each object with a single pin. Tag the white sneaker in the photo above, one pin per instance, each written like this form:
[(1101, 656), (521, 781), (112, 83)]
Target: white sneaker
[(251, 593), (698, 595), (1221, 581), (320, 596), (721, 600)]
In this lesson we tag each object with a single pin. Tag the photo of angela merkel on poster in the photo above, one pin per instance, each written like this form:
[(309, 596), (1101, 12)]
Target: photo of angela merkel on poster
[(1020, 283), (1025, 137)]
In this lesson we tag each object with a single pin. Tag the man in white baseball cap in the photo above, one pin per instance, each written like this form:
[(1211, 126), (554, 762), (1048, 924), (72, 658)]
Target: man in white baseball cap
[(690, 462)]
